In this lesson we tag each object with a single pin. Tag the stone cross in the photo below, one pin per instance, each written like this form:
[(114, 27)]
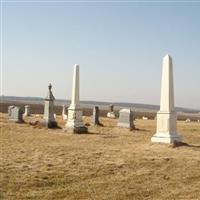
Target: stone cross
[(166, 117), (126, 119), (15, 114), (74, 122), (49, 119)]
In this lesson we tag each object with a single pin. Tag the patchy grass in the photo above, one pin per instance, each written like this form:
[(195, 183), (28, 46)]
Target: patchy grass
[(108, 163)]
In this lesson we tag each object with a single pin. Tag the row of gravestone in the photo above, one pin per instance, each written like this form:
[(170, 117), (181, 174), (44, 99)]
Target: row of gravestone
[(16, 114), (125, 117)]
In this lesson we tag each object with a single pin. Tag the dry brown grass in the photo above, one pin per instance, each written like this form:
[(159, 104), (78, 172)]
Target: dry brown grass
[(108, 163)]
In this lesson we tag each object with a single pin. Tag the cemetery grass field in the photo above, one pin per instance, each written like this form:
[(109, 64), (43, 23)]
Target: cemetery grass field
[(107, 163)]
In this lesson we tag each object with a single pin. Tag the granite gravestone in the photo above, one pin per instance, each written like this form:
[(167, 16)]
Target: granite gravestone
[(49, 119), (126, 119), (15, 114), (9, 110), (95, 116)]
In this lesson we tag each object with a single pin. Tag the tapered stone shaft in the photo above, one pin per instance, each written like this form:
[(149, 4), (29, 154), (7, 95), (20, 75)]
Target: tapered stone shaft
[(74, 122), (166, 117), (75, 88), (167, 87)]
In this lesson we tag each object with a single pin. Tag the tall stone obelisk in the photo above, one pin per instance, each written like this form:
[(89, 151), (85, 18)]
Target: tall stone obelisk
[(166, 117), (74, 122)]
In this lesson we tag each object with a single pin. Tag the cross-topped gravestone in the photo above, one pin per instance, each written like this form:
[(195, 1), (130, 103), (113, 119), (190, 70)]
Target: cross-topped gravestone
[(49, 119)]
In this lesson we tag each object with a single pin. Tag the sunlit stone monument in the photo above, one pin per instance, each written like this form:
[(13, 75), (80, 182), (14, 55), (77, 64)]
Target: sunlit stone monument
[(49, 118), (166, 117), (74, 122)]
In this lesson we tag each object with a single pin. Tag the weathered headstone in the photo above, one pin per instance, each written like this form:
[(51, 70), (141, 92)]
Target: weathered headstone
[(9, 110), (27, 111), (166, 117), (15, 114), (49, 119), (111, 113), (75, 122), (95, 116), (64, 113), (126, 119)]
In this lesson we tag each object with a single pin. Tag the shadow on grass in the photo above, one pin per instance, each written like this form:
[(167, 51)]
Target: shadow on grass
[(183, 144), (139, 129)]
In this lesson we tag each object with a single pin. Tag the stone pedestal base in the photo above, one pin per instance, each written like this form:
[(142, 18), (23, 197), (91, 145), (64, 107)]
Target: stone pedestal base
[(77, 130), (75, 123), (166, 138), (50, 124), (166, 128)]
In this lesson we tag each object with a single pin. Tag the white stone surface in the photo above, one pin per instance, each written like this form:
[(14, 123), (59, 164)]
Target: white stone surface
[(74, 120), (27, 111), (188, 120), (64, 114), (49, 117), (111, 115), (126, 118), (166, 117)]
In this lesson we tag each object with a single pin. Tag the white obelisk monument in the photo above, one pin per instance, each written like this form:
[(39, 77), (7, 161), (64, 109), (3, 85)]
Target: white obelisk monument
[(166, 117), (74, 122)]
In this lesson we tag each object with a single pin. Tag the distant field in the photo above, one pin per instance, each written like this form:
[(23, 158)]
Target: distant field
[(108, 163)]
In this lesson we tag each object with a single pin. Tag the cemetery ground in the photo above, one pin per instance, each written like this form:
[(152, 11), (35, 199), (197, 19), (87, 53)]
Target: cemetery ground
[(107, 163)]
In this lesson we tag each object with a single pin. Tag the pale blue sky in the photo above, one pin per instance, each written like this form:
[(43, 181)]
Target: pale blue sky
[(119, 47)]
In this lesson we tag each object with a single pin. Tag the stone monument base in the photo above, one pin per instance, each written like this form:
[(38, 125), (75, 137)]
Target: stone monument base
[(166, 128), (125, 125), (166, 138), (77, 130), (75, 123), (51, 124)]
